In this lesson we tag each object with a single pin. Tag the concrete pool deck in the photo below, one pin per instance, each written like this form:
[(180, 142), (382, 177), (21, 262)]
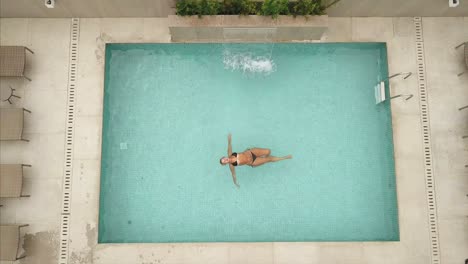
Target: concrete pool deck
[(46, 97)]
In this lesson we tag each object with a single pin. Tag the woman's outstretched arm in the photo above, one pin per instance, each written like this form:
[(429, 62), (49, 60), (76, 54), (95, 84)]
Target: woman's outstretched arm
[(231, 167), (233, 173), (229, 146)]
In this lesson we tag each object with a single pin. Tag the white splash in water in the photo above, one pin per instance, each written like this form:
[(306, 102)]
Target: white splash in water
[(247, 63)]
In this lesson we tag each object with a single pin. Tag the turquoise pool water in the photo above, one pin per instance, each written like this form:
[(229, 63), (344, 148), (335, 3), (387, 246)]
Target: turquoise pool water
[(168, 109)]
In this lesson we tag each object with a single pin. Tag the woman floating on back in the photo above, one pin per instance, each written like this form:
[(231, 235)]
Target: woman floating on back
[(252, 157)]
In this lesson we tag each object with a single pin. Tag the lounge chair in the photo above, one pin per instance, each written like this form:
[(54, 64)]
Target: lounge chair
[(13, 61), (10, 242), (11, 180), (465, 52), (11, 123)]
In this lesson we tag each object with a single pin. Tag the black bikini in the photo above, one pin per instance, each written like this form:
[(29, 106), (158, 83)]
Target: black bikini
[(235, 155), (253, 158)]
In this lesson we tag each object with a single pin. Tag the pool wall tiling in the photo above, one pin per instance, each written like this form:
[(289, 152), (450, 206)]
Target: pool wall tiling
[(169, 107)]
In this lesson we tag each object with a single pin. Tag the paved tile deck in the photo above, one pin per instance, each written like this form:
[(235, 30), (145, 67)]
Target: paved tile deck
[(46, 95)]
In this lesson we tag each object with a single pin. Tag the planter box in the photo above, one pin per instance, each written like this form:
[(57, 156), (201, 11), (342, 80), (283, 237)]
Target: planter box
[(232, 28)]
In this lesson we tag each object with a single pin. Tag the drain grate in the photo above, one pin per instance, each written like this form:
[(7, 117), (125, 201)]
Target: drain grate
[(70, 122), (426, 135)]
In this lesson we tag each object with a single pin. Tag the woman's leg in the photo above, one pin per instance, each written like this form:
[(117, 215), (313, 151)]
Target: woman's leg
[(262, 160), (260, 152)]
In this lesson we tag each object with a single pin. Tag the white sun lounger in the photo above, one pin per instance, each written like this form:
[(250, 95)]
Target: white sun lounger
[(13, 61), (11, 123), (465, 55), (11, 180), (10, 242)]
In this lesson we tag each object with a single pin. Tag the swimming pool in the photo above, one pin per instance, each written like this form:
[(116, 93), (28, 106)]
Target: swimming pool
[(168, 109)]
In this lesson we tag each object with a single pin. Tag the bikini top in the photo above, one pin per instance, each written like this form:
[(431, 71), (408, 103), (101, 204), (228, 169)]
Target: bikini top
[(235, 155)]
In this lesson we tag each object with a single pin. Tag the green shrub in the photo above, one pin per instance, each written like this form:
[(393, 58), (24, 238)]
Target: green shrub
[(240, 7), (187, 8), (307, 8), (274, 8), (320, 8), (304, 8), (209, 7)]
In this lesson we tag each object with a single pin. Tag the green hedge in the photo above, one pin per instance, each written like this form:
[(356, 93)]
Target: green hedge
[(271, 8)]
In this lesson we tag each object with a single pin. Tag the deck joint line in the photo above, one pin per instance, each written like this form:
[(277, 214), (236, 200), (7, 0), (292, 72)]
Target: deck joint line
[(69, 132), (426, 138)]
